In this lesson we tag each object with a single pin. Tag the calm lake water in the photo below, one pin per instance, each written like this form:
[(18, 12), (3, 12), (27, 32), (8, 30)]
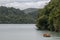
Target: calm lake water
[(24, 32)]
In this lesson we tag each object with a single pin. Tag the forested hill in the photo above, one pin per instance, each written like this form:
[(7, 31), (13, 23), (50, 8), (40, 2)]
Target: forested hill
[(7, 11), (10, 15), (33, 12), (29, 10), (49, 18)]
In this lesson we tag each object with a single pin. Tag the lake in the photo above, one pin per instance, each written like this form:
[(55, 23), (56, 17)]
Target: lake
[(24, 32)]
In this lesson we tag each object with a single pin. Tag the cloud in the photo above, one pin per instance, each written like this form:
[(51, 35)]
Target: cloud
[(21, 0), (24, 5)]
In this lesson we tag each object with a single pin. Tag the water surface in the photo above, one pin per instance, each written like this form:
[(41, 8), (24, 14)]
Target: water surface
[(24, 32)]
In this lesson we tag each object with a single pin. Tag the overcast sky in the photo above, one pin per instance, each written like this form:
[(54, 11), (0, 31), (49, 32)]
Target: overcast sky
[(24, 4)]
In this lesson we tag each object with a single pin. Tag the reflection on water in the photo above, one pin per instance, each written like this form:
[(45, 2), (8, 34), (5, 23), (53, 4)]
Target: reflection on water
[(24, 32)]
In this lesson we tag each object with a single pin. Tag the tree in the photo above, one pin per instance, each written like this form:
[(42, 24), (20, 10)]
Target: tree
[(52, 11)]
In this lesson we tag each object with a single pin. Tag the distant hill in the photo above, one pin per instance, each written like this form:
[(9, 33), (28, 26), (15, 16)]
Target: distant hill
[(10, 15), (10, 10), (29, 10)]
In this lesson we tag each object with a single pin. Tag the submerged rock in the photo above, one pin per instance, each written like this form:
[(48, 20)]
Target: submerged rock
[(46, 35)]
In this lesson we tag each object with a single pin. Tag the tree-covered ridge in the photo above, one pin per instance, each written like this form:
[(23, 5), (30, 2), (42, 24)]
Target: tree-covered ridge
[(14, 16), (49, 17), (31, 12)]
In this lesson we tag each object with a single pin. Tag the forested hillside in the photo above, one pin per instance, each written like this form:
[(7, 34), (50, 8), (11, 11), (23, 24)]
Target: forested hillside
[(49, 17), (33, 12), (29, 10), (10, 15)]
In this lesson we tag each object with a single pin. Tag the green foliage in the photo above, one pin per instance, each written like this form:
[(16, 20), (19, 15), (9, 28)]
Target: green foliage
[(42, 22), (52, 11), (15, 16)]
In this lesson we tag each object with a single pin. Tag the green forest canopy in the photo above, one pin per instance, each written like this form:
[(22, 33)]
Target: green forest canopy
[(49, 17), (15, 16)]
